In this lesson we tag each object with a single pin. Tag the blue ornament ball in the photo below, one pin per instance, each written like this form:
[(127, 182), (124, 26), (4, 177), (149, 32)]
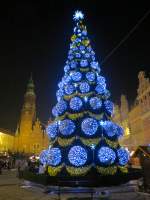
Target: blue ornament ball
[(76, 103), (100, 88), (76, 76), (90, 76), (54, 156), (94, 65), (123, 156), (95, 103), (61, 107), (77, 156), (69, 89), (109, 106), (66, 127), (66, 68), (84, 87), (52, 130), (106, 155), (43, 157), (89, 126), (100, 79), (111, 129), (83, 63)]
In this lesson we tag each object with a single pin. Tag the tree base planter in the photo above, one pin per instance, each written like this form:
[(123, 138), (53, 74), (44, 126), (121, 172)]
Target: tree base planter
[(92, 179)]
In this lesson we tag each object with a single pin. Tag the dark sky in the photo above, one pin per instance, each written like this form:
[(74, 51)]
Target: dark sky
[(35, 37)]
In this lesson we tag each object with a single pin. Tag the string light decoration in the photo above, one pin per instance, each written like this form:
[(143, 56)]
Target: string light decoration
[(52, 130), (89, 126), (109, 106), (76, 103), (54, 156), (43, 157), (95, 103), (123, 156), (77, 156), (84, 87), (66, 127), (106, 155), (111, 129), (90, 76)]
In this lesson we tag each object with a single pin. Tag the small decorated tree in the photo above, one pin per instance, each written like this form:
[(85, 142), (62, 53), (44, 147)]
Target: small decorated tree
[(82, 133)]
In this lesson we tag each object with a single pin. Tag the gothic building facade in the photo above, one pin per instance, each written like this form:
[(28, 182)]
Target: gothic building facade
[(136, 120), (30, 136)]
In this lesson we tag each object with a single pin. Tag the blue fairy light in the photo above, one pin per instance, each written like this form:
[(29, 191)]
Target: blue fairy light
[(52, 130), (69, 89), (106, 155), (78, 15), (76, 76), (111, 129), (83, 63), (43, 157), (77, 156), (95, 103), (94, 65), (61, 106), (76, 103), (89, 126), (109, 106), (100, 88), (90, 76), (84, 87), (66, 127), (123, 156), (54, 156)]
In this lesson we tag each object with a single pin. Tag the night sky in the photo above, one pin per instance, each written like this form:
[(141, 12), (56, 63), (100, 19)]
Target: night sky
[(35, 38)]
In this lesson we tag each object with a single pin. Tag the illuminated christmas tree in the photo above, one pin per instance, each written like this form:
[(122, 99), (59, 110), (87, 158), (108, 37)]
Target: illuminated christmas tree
[(82, 134)]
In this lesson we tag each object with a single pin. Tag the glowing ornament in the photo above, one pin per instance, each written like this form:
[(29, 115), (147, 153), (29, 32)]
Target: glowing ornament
[(66, 127), (77, 156), (123, 156), (78, 15), (76, 76), (78, 55), (43, 157), (90, 76), (100, 88), (54, 111), (69, 89), (76, 103), (95, 103), (89, 126), (111, 129), (100, 79), (73, 37), (59, 94), (61, 106), (54, 156), (109, 106), (82, 47), (85, 42), (83, 63), (106, 155), (66, 68), (84, 32), (84, 87), (87, 55), (52, 130), (73, 64), (94, 65), (60, 85)]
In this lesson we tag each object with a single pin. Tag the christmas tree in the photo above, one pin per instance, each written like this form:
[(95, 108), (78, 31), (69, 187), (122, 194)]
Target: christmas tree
[(82, 133)]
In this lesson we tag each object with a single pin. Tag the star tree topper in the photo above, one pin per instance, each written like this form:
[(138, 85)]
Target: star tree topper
[(78, 15)]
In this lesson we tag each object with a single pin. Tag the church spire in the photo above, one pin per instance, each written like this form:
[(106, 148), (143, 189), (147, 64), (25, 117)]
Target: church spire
[(30, 87)]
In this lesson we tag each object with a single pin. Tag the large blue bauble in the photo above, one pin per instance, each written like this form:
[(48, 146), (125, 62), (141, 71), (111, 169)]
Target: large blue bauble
[(123, 156), (89, 126), (106, 155), (76, 103), (95, 103), (61, 106), (69, 89), (54, 156), (77, 156), (66, 127), (84, 87), (109, 106), (90, 76), (52, 130), (76, 76)]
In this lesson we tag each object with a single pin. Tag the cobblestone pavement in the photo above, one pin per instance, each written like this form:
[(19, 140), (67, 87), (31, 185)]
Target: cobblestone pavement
[(11, 188)]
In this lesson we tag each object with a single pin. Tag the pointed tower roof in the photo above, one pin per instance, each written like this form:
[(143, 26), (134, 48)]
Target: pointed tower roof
[(30, 87)]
